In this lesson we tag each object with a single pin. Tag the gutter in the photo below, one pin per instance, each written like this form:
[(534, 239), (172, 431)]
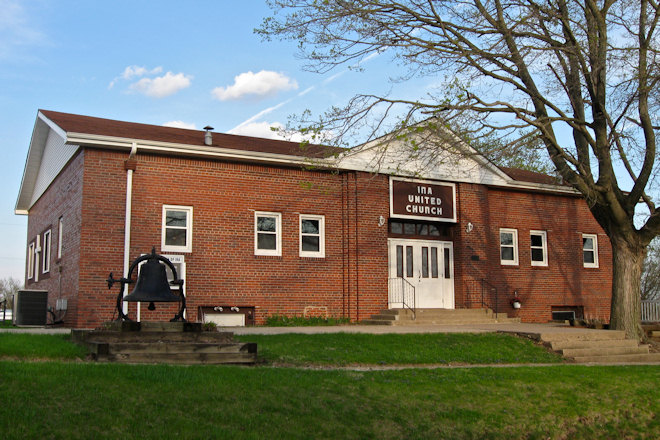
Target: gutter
[(103, 141)]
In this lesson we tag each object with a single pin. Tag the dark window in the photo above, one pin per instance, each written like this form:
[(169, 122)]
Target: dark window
[(434, 262), (409, 261), (425, 262), (407, 228), (399, 261)]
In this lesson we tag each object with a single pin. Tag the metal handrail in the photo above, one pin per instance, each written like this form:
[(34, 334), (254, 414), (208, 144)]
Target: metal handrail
[(407, 293), (493, 288)]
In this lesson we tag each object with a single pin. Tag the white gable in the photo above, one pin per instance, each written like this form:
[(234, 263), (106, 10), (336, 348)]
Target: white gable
[(48, 155), (56, 155), (423, 157)]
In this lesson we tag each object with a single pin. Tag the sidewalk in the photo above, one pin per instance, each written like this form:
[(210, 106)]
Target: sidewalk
[(370, 329)]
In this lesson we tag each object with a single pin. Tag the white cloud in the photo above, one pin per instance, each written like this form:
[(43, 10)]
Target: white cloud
[(261, 84), (180, 124), (131, 72), (265, 130), (162, 86), (259, 129)]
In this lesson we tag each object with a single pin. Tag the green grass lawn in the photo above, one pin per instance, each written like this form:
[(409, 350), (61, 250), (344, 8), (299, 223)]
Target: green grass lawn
[(81, 400), (397, 349), (31, 346), (70, 399)]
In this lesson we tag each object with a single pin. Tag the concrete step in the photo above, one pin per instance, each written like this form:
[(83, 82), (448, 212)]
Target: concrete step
[(446, 321), (650, 358), (438, 312), (438, 317), (601, 351), (607, 343), (584, 335)]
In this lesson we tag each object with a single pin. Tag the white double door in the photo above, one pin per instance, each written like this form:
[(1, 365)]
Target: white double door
[(428, 266)]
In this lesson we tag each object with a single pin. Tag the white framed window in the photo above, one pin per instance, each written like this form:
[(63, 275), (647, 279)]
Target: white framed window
[(312, 236), (30, 262), (590, 250), (538, 244), (268, 233), (177, 228), (509, 247), (45, 254), (37, 252), (60, 239), (179, 263)]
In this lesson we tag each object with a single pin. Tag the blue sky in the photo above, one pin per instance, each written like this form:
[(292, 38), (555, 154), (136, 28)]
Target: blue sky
[(192, 63)]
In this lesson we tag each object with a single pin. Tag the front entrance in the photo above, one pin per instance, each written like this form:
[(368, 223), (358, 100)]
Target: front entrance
[(426, 265)]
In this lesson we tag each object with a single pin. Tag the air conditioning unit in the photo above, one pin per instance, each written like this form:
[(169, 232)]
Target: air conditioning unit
[(30, 307)]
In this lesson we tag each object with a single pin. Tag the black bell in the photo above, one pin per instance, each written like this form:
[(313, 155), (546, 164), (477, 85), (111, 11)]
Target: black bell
[(152, 285)]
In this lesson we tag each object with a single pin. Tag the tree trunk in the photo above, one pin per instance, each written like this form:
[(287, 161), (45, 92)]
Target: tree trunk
[(628, 261)]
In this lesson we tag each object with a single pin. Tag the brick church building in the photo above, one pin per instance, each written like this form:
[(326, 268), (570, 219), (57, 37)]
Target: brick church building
[(259, 227)]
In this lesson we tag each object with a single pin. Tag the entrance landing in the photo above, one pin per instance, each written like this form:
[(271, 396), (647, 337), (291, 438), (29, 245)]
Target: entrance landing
[(423, 317)]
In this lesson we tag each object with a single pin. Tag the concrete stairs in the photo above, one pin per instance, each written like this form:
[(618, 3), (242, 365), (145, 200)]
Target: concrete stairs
[(164, 343), (598, 347), (438, 317)]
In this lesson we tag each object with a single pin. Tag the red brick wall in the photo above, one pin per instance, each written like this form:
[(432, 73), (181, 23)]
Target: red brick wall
[(62, 199), (351, 281), (222, 268), (564, 282)]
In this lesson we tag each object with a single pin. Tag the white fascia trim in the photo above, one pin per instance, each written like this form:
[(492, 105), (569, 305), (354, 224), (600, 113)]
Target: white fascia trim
[(227, 153), (197, 150), (53, 126), (540, 187), (42, 127)]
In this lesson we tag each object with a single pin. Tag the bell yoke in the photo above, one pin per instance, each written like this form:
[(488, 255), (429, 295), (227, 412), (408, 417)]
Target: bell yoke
[(152, 285)]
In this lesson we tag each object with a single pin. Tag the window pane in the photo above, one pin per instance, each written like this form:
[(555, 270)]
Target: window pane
[(399, 261), (537, 240), (434, 262), (176, 218), (434, 230), (588, 257), (266, 241), (537, 254), (506, 238), (447, 264), (310, 243), (425, 262), (396, 228), (409, 228), (423, 229), (266, 224), (587, 243), (409, 261), (175, 237), (310, 227), (507, 254)]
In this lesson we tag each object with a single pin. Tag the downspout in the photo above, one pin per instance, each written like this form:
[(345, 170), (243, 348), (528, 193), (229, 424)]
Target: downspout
[(130, 166), (357, 254)]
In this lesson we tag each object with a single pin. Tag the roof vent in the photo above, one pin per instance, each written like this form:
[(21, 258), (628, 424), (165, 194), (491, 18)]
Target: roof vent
[(208, 138)]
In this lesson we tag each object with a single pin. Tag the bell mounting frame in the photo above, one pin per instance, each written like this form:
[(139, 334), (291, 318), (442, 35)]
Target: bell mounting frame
[(128, 280)]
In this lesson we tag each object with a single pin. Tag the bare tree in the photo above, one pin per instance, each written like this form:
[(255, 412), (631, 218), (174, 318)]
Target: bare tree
[(580, 77), (651, 273), (8, 287)]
